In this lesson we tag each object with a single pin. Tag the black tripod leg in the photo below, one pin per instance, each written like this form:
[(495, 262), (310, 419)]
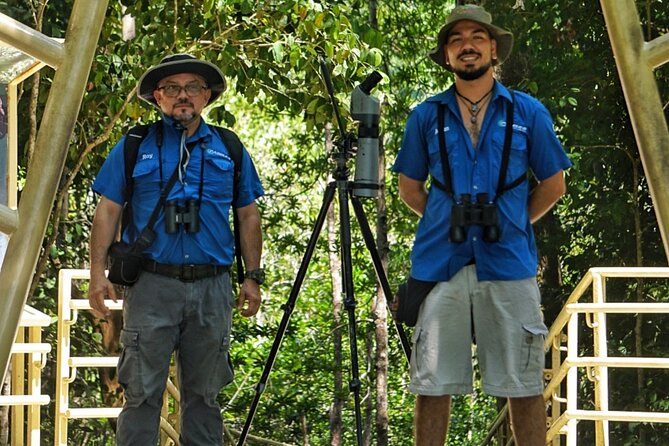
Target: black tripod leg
[(378, 266), (349, 299), (288, 307)]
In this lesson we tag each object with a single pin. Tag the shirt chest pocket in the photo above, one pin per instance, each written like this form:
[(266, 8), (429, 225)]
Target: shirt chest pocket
[(146, 176), (455, 148), (519, 153), (218, 178)]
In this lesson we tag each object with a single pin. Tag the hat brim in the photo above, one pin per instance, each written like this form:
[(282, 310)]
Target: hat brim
[(209, 72), (503, 38)]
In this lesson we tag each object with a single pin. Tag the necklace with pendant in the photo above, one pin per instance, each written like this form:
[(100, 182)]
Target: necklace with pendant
[(474, 108)]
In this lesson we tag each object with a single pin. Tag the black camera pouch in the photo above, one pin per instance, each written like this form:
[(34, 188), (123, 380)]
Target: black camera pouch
[(411, 295), (125, 264)]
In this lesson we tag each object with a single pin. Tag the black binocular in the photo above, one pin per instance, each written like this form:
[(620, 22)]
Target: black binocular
[(481, 213), (189, 216)]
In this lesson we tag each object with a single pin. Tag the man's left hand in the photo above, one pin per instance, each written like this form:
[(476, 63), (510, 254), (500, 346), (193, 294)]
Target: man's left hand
[(249, 299)]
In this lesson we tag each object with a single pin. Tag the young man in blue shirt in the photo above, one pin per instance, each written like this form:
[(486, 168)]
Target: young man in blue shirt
[(183, 299), (485, 284)]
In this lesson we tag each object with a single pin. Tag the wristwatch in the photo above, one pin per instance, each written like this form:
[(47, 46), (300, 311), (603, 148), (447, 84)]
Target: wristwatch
[(257, 274)]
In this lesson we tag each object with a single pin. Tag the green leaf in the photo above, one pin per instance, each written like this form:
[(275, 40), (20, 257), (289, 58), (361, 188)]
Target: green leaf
[(277, 51), (311, 107)]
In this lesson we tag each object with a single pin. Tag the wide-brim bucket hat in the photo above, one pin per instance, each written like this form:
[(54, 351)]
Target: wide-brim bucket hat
[(180, 63), (479, 15)]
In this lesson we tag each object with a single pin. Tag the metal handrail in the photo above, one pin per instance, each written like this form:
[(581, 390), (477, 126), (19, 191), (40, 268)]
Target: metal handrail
[(66, 365), (564, 351), (29, 357)]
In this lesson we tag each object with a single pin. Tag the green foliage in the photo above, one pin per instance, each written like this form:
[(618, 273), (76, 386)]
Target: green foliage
[(606, 218), (269, 51)]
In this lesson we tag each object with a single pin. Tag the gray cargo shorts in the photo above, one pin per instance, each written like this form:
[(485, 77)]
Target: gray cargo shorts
[(498, 322)]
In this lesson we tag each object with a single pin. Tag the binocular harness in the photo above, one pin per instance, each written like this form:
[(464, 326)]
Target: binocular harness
[(483, 211)]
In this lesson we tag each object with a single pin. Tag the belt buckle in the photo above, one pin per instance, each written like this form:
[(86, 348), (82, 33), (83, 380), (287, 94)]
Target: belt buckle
[(187, 273)]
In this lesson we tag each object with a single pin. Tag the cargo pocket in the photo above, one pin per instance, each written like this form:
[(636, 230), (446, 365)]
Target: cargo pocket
[(223, 373), (417, 354), (532, 357), (129, 368)]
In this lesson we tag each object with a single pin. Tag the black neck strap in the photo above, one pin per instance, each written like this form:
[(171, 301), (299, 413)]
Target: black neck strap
[(201, 186), (506, 153), (147, 235)]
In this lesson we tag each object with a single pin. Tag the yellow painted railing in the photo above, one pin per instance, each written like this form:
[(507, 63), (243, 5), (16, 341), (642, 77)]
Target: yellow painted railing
[(564, 386), (67, 365), (567, 364), (564, 383), (28, 224), (26, 396), (563, 376)]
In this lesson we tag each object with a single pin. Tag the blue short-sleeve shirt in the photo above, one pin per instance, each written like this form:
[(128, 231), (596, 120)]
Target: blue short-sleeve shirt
[(209, 164), (534, 147)]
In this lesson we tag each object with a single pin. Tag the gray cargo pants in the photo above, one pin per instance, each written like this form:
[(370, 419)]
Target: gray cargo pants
[(162, 315)]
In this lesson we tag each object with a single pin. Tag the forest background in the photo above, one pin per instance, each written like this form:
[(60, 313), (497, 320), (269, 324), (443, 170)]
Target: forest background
[(278, 104)]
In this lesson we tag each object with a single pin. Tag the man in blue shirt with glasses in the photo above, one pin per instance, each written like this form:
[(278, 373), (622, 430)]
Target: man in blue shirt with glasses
[(182, 301), (476, 141)]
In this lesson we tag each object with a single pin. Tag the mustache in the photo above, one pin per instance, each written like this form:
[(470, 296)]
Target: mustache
[(468, 52), (183, 102)]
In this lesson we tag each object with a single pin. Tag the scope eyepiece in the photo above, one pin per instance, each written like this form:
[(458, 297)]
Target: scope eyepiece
[(370, 82)]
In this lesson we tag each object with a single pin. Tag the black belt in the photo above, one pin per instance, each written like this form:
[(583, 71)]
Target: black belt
[(185, 273)]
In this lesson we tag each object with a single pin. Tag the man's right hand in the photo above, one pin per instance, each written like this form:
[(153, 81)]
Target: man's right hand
[(98, 290), (104, 229)]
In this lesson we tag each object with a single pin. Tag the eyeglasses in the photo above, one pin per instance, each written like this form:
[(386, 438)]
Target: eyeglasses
[(174, 90)]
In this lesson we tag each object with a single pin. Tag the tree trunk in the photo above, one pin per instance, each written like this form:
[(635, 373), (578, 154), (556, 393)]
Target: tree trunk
[(335, 275), (304, 423), (368, 397), (38, 13), (380, 310)]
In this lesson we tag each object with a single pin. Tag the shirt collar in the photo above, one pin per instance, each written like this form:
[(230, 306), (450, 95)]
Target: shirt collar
[(448, 96), (203, 131), (501, 91)]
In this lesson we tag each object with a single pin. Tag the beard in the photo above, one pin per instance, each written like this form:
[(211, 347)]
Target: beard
[(184, 115), (473, 73)]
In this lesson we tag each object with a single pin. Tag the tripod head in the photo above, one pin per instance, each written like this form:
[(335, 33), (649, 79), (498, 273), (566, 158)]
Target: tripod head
[(366, 110)]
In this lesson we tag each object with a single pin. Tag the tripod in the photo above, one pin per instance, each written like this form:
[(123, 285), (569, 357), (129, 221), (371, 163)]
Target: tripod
[(341, 185)]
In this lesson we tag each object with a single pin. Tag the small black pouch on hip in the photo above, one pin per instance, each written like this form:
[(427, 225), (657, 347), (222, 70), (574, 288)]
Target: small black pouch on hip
[(125, 264), (411, 295)]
